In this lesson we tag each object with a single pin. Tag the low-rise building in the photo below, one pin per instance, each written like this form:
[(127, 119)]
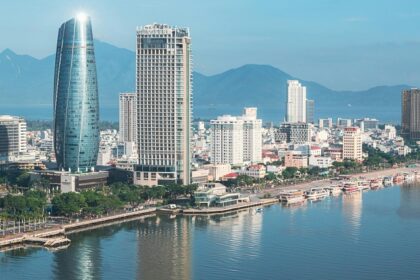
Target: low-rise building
[(257, 171), (214, 194), (294, 159), (321, 162), (200, 176), (217, 171), (72, 182)]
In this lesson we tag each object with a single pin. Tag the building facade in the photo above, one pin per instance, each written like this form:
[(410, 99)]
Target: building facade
[(297, 133), (12, 137), (325, 123), (128, 117), (352, 143), (252, 136), (310, 111), (76, 106), (227, 140), (164, 98), (296, 102), (410, 109)]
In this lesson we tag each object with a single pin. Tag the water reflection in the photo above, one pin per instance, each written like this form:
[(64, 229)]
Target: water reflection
[(83, 258), (164, 248), (352, 211), (409, 201)]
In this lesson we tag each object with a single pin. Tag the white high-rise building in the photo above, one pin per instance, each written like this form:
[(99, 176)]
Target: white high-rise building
[(227, 134), (352, 143), (236, 140), (164, 92), (296, 102), (12, 137), (252, 135), (128, 117)]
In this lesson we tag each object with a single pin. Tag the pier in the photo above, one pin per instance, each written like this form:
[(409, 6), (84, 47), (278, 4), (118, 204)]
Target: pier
[(218, 210)]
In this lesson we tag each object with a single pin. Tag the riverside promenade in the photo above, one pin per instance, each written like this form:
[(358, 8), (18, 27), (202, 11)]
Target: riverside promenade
[(56, 233), (328, 182)]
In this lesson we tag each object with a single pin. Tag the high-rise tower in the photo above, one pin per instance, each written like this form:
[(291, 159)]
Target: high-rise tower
[(296, 102), (76, 107), (164, 89), (410, 109), (128, 117)]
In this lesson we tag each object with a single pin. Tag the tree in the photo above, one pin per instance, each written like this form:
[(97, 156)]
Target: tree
[(23, 180), (244, 180), (270, 176), (289, 172), (68, 204)]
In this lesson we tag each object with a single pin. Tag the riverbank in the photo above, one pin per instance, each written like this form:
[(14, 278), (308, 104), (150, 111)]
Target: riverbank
[(51, 236), (328, 182)]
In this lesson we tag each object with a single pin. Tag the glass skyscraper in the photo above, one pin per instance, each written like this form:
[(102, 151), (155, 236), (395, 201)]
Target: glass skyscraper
[(76, 107)]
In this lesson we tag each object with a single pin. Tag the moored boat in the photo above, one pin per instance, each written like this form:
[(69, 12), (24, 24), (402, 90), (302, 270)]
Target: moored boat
[(375, 184), (333, 190), (350, 187), (398, 179), (292, 196), (388, 180), (316, 193)]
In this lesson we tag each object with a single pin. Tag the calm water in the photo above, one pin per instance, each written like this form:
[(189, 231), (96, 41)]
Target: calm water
[(374, 235)]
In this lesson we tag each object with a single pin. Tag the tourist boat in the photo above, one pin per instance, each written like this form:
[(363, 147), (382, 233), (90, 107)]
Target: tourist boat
[(363, 185), (398, 179), (375, 184), (292, 196), (409, 177), (388, 180), (316, 193), (350, 187), (333, 190)]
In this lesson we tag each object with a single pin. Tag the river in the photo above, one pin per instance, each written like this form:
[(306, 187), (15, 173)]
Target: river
[(370, 235)]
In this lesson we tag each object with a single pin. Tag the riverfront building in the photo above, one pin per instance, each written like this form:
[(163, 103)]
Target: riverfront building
[(227, 140), (296, 102), (235, 140), (76, 107), (410, 118), (12, 137), (128, 117), (352, 143), (164, 98)]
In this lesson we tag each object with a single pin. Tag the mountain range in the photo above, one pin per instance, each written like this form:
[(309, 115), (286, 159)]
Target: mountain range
[(28, 82)]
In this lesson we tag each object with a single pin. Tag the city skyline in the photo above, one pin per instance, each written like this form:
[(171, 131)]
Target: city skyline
[(338, 61)]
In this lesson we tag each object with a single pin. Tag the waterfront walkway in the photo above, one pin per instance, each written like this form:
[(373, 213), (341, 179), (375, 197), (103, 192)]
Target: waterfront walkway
[(328, 182)]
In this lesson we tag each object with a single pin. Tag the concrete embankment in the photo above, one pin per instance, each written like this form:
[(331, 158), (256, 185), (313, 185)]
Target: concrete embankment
[(328, 182), (56, 236)]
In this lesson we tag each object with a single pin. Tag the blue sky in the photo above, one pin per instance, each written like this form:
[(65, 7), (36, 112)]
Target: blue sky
[(342, 44)]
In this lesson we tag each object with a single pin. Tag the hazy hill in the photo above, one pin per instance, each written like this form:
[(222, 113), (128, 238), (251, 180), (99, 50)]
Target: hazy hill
[(25, 80)]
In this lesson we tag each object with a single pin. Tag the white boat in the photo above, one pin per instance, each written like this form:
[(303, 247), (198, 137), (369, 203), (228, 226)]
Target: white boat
[(350, 187), (363, 185), (409, 177), (292, 196), (388, 180), (316, 193), (333, 190)]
